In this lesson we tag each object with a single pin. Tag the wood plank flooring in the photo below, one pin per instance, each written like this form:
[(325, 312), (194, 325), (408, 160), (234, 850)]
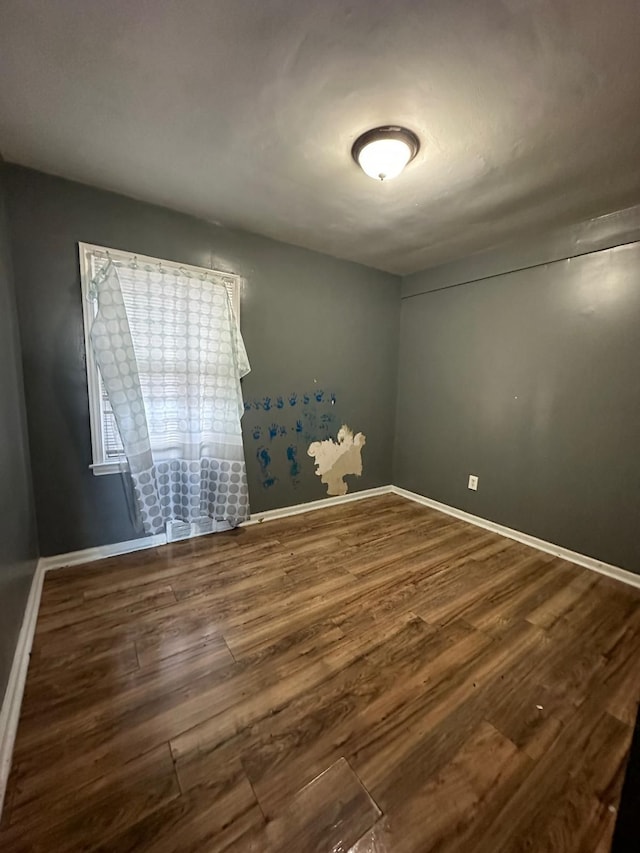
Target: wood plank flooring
[(376, 675)]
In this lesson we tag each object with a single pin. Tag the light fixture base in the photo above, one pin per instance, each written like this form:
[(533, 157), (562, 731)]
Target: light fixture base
[(391, 132)]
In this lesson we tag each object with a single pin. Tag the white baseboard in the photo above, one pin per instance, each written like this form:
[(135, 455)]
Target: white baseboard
[(296, 509), (88, 555), (10, 712), (591, 563)]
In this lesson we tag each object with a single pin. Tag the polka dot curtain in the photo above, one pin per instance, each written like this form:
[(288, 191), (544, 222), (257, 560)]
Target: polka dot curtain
[(171, 357)]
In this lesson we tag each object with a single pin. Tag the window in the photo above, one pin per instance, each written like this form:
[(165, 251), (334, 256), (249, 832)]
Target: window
[(105, 439)]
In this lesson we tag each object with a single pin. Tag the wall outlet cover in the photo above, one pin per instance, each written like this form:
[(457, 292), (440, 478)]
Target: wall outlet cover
[(473, 482)]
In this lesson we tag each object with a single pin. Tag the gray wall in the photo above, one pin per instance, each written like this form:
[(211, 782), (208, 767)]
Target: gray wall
[(527, 377), (310, 323), (18, 541), (530, 380)]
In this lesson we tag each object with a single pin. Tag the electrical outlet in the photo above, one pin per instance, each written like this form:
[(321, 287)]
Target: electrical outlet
[(473, 482)]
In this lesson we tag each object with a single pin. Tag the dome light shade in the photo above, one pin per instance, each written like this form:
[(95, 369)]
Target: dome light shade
[(383, 153)]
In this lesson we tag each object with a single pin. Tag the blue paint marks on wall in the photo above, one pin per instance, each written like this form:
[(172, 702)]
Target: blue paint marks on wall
[(292, 453), (267, 404), (294, 465), (313, 419), (264, 460), (326, 421)]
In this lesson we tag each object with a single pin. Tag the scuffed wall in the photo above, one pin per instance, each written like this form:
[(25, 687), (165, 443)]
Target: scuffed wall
[(338, 459)]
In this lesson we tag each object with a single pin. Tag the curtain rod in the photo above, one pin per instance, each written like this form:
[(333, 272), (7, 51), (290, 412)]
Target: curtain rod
[(161, 265)]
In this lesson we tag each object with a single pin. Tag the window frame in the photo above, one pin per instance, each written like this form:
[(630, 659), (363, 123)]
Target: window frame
[(86, 252)]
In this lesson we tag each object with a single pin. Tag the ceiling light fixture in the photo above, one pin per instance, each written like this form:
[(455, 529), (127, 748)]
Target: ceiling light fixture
[(382, 153)]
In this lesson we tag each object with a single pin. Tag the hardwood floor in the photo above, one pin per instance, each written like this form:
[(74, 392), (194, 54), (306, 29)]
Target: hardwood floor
[(376, 677)]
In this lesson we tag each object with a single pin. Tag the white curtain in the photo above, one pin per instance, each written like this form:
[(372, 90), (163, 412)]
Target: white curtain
[(171, 357)]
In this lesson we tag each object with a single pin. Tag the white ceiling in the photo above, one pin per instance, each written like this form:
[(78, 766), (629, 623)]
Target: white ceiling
[(243, 112)]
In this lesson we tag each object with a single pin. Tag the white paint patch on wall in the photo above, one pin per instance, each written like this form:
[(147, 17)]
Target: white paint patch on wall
[(335, 459)]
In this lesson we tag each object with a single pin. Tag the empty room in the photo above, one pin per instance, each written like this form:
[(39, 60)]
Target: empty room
[(319, 470)]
